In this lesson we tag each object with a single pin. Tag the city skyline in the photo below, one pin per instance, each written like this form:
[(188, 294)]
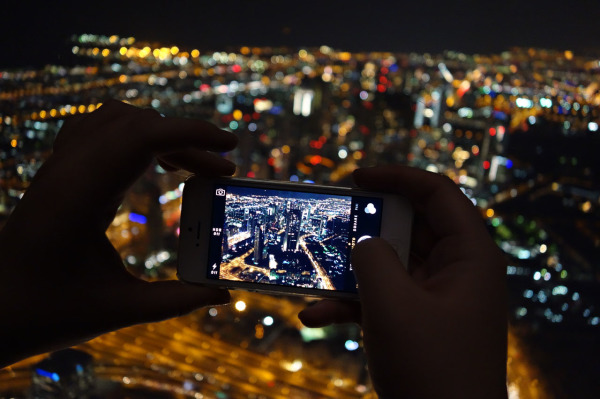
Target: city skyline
[(278, 237)]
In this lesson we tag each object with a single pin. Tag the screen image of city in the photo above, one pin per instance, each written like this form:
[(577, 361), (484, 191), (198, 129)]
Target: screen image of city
[(288, 238)]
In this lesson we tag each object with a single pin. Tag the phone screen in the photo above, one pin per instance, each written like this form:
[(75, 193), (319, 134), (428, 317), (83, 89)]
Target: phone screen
[(288, 237)]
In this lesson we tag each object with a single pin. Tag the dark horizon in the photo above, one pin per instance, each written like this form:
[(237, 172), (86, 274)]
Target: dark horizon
[(38, 35)]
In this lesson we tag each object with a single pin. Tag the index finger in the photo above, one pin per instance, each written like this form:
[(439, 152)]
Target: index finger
[(447, 210), (168, 134)]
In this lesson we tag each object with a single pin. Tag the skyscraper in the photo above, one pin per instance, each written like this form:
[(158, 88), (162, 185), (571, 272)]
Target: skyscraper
[(259, 245), (292, 230), (225, 243)]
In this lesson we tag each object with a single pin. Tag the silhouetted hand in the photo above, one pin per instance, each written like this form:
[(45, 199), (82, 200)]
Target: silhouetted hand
[(61, 280), (439, 329)]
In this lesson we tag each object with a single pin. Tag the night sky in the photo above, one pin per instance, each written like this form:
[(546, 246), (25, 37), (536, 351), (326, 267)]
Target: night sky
[(291, 194), (34, 33)]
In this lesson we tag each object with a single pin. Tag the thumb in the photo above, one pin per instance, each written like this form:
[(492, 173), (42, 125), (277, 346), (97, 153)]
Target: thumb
[(162, 300), (382, 278)]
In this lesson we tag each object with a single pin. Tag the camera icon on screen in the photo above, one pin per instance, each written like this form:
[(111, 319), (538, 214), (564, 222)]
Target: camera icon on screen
[(220, 192)]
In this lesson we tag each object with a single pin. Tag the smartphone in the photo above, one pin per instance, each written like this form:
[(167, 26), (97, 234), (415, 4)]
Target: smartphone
[(283, 237)]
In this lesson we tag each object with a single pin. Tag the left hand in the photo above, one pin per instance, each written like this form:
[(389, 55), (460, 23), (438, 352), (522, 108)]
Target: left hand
[(61, 280)]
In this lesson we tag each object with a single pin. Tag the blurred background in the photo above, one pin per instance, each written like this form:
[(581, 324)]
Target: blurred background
[(503, 99)]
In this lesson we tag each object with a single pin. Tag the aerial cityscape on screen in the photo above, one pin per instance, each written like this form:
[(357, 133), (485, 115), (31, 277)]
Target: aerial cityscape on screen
[(286, 238), (517, 131)]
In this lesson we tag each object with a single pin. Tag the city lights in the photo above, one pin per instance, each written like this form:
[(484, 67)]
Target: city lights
[(511, 130), (240, 306)]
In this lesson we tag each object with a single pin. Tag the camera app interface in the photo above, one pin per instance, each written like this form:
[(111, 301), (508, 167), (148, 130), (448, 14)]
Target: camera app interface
[(288, 238)]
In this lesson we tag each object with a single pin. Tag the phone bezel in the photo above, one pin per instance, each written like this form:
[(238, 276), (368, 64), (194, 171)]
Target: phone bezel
[(196, 220)]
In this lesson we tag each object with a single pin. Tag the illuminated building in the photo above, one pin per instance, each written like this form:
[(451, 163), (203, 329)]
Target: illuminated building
[(292, 230), (259, 245)]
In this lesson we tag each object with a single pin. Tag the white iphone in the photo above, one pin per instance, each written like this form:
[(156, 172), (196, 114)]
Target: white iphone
[(283, 238)]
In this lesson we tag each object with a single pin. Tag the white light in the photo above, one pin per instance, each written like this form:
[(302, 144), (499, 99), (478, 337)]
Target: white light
[(560, 290), (213, 312), (240, 306), (465, 112), (531, 120), (432, 168), (342, 153), (364, 95), (263, 105), (524, 103), (446, 127), (351, 345), (268, 321), (296, 365), (593, 126), (543, 248), (546, 103), (537, 276), (445, 72), (595, 321), (306, 103), (428, 113), (163, 256), (370, 209), (523, 254), (363, 238)]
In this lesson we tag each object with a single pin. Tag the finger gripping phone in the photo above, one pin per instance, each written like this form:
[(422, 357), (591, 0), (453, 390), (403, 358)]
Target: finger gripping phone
[(280, 237)]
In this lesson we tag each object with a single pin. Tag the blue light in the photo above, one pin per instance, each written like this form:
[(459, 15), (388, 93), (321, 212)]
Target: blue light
[(276, 110), (393, 67), (351, 345), (294, 178), (137, 218), (509, 164), (500, 115), (53, 376)]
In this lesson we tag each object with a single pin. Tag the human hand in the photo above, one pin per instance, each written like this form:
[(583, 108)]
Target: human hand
[(61, 280), (438, 329)]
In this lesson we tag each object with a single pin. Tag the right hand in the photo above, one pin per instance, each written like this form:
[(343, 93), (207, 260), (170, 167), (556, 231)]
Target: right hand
[(438, 329)]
